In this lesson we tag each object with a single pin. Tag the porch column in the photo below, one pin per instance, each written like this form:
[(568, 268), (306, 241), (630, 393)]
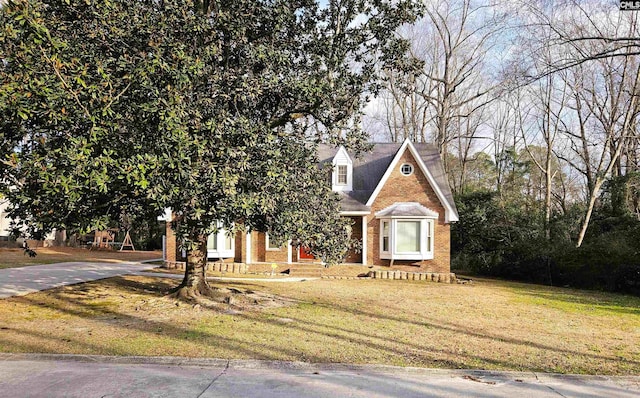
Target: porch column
[(164, 247), (364, 240), (289, 252), (247, 255)]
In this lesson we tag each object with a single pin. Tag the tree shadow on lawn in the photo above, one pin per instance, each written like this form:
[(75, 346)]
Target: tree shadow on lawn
[(269, 351), (467, 332), (159, 288), (434, 323), (163, 329), (63, 303)]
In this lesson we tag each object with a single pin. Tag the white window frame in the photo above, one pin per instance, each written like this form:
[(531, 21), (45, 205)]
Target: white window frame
[(221, 251), (339, 174), (427, 229), (406, 165), (388, 236), (268, 247)]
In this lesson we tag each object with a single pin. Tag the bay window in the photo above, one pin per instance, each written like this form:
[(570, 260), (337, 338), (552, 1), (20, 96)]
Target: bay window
[(407, 236), (406, 232)]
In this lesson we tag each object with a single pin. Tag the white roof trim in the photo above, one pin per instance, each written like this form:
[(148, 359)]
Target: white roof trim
[(345, 155), (449, 214)]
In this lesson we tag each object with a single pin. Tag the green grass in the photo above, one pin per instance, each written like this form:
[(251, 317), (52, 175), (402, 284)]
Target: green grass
[(580, 302), (487, 325)]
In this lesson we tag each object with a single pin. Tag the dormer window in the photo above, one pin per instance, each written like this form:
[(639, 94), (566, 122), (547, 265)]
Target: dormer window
[(342, 179), (342, 175)]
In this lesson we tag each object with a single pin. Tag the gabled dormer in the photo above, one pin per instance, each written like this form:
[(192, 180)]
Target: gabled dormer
[(342, 176)]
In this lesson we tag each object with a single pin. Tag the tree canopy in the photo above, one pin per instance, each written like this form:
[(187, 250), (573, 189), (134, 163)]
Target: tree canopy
[(210, 108)]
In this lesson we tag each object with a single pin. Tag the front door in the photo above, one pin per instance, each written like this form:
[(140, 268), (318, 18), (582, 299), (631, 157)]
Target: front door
[(304, 254)]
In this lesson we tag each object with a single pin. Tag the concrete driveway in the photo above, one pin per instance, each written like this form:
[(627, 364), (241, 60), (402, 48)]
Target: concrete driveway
[(92, 376), (25, 280)]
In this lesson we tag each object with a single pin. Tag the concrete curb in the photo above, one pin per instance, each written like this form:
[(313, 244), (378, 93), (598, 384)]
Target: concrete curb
[(249, 364)]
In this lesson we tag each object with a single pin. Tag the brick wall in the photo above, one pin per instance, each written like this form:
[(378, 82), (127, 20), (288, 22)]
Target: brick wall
[(263, 254), (413, 188), (241, 247), (277, 256), (171, 244)]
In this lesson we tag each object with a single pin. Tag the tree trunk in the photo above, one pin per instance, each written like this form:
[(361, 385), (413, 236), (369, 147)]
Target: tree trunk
[(194, 284), (632, 111), (592, 201), (547, 202)]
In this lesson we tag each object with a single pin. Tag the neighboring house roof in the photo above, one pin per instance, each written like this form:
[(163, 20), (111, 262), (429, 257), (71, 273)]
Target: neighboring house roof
[(371, 168)]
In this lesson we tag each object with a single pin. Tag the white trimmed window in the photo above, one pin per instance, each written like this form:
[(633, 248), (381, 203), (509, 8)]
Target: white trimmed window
[(406, 169), (221, 244), (406, 232), (385, 230), (271, 245), (341, 178)]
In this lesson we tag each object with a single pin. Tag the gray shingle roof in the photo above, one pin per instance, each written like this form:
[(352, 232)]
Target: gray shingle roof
[(369, 168)]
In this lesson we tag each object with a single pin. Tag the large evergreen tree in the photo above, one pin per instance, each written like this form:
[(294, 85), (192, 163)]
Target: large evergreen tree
[(210, 108)]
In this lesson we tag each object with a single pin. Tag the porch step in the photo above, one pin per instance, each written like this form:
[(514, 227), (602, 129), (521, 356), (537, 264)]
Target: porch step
[(310, 272)]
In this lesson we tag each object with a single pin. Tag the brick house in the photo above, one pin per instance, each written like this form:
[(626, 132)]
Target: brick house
[(399, 200)]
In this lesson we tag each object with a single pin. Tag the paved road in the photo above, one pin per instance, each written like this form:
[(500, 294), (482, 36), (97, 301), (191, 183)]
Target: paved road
[(24, 280), (90, 376)]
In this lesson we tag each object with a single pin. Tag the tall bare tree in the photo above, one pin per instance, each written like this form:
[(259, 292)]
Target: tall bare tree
[(597, 48), (612, 100), (452, 43), (550, 96)]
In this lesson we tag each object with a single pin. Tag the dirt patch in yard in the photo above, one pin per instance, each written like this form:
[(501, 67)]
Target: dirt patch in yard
[(226, 299)]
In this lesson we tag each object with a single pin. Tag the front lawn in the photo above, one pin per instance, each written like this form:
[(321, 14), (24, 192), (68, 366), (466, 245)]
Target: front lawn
[(12, 258), (486, 325)]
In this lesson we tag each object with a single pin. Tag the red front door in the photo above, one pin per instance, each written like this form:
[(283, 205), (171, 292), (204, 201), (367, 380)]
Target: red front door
[(304, 254)]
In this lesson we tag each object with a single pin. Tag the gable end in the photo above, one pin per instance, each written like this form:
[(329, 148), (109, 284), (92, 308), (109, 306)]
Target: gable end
[(450, 214)]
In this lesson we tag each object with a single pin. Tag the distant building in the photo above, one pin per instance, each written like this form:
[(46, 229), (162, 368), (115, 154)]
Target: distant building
[(54, 238)]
